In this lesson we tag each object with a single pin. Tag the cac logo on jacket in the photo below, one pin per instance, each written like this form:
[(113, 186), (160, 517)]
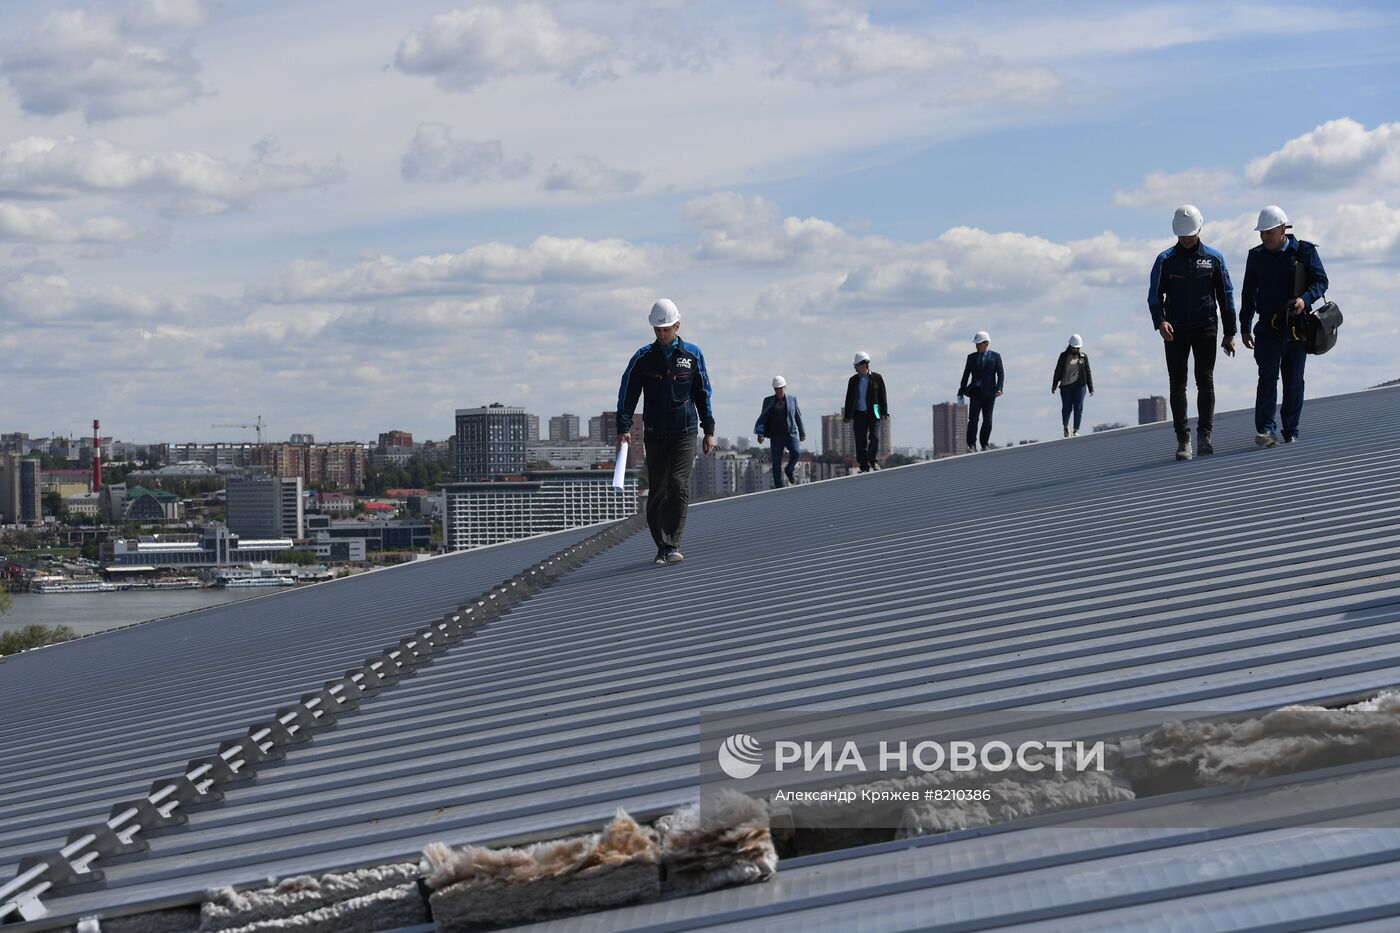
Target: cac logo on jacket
[(683, 363)]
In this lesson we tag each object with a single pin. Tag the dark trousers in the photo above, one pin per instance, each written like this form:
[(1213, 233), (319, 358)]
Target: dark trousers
[(1072, 402), (669, 462), (1202, 344), (979, 407), (779, 444), (867, 438), (1276, 357)]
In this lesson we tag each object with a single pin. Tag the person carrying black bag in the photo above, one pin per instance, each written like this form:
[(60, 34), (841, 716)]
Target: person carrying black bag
[(1283, 278)]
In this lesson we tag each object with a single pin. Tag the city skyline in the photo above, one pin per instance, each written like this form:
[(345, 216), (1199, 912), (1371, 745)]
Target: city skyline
[(498, 217)]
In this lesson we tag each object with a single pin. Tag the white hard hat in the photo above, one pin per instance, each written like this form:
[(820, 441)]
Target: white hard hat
[(1076, 341), (862, 357), (779, 382), (664, 313), (1271, 217), (1187, 220), (982, 337)]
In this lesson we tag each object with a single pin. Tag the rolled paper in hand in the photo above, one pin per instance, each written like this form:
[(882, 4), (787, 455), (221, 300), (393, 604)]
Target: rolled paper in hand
[(620, 468)]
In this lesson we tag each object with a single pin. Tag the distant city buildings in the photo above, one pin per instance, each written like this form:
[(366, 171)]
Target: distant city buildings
[(839, 440), (394, 447), (263, 506), (216, 547), (147, 506), (1152, 409), (335, 466), (307, 439), (1110, 426), (490, 442), (564, 428), (478, 514), (532, 428), (353, 540), (949, 429), (20, 498), (577, 456)]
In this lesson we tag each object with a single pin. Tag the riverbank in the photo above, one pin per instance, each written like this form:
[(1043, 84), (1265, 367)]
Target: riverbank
[(87, 613)]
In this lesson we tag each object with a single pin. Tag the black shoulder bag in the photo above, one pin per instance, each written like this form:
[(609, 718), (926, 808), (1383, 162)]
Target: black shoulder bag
[(1318, 328)]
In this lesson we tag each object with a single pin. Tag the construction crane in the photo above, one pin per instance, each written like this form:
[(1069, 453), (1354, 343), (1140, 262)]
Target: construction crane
[(256, 426)]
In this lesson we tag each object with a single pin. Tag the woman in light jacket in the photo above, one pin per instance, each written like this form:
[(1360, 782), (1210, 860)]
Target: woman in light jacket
[(1073, 378)]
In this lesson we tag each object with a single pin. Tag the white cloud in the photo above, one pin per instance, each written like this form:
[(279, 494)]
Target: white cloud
[(845, 47), (546, 260), (1338, 154), (586, 175), (752, 230), (41, 225), (434, 155), (181, 181), (1356, 231), (106, 65), (48, 297), (463, 49), (998, 83), (1170, 189)]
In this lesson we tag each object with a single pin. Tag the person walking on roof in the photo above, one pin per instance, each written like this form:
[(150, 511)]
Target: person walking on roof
[(1188, 293), (781, 422), (1073, 378), (866, 406), (1283, 278), (983, 380), (670, 375)]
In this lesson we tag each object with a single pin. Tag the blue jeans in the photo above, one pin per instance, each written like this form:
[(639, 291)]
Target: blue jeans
[(1278, 357), (794, 450), (1072, 400)]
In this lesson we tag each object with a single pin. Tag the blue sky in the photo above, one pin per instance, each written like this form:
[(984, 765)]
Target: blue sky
[(350, 217)]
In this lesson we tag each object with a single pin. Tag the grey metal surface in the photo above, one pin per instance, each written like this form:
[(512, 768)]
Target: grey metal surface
[(1093, 572)]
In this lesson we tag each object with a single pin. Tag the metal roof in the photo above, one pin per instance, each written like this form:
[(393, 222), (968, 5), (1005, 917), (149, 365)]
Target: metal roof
[(1085, 573)]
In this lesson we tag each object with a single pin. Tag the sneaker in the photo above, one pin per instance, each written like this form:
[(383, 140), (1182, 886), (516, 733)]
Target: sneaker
[(660, 556), (1203, 444), (984, 448), (1290, 440), (1066, 430), (1074, 433), (674, 556), (792, 480), (1266, 439), (874, 466), (1183, 448)]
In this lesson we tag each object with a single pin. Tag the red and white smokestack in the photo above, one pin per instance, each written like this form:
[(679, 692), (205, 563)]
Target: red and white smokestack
[(96, 456)]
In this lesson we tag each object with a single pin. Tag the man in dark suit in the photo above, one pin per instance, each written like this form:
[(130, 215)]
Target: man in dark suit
[(982, 383), (866, 407)]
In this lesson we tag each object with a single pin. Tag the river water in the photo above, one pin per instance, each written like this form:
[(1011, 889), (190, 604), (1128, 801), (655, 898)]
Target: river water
[(86, 613)]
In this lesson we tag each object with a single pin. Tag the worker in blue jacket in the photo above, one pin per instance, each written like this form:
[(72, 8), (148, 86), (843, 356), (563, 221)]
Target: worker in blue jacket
[(1188, 295), (781, 422), (670, 375), (983, 380), (1271, 289)]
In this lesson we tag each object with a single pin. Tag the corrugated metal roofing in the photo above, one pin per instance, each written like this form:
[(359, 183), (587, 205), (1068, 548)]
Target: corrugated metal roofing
[(1084, 573)]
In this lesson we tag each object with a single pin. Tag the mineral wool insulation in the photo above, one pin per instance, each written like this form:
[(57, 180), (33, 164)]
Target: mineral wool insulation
[(1288, 740), (695, 849)]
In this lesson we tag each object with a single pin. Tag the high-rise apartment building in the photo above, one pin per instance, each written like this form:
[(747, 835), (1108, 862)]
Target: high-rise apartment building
[(261, 506), (1152, 409), (20, 500), (564, 427), (949, 429), (839, 440), (490, 442), (482, 513), (532, 428)]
